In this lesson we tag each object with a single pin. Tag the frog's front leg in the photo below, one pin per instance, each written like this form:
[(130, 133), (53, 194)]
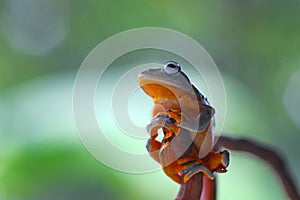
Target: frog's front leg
[(156, 123), (201, 122), (153, 146)]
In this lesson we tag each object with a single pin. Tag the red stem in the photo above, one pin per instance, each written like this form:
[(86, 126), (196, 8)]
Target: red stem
[(192, 189), (209, 189)]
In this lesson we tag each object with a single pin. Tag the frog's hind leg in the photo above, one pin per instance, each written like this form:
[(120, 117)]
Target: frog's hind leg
[(172, 172), (191, 166), (213, 162), (217, 161)]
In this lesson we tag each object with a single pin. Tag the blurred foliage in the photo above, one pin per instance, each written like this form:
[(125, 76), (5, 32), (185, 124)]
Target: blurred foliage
[(52, 171), (255, 45)]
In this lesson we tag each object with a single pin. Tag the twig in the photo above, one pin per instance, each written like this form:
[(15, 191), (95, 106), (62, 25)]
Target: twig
[(209, 189), (192, 189), (268, 155), (199, 187)]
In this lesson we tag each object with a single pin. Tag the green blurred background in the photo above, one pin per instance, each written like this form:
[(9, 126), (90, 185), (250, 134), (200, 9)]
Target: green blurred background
[(255, 44)]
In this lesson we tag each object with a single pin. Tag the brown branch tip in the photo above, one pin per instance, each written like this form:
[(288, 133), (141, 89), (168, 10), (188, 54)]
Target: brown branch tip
[(199, 187)]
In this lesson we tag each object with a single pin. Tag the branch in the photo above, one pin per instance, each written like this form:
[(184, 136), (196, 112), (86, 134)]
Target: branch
[(192, 189), (198, 186), (268, 155), (209, 189)]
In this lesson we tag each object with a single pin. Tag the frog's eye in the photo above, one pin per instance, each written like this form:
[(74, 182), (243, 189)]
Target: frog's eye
[(171, 67)]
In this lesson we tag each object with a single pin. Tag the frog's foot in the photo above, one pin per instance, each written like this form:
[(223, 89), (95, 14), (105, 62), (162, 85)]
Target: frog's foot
[(195, 169), (224, 160), (153, 147), (166, 120), (191, 166), (157, 123), (217, 161)]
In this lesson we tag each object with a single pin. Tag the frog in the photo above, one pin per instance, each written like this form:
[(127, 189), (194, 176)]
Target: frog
[(186, 120)]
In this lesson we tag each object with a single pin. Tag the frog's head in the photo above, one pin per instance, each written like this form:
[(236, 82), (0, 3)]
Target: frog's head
[(168, 86), (156, 82)]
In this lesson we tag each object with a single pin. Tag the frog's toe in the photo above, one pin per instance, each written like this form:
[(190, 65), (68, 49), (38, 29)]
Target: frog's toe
[(155, 124), (225, 158), (191, 171)]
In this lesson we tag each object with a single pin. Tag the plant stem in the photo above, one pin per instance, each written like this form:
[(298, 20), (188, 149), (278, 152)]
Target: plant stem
[(268, 155), (209, 189), (192, 189)]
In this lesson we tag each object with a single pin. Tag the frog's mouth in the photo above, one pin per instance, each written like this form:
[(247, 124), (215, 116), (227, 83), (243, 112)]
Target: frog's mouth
[(162, 89), (155, 90), (174, 82), (166, 93)]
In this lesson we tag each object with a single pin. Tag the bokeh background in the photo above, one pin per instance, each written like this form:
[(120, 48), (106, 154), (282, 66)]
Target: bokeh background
[(255, 44)]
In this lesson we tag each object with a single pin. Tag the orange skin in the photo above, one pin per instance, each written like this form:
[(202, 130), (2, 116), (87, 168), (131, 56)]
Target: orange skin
[(186, 119)]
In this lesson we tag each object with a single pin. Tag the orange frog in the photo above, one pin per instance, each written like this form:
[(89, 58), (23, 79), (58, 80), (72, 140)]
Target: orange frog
[(187, 122)]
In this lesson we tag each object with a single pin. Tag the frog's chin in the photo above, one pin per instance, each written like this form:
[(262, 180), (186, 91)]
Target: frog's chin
[(166, 91), (159, 91), (170, 83)]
